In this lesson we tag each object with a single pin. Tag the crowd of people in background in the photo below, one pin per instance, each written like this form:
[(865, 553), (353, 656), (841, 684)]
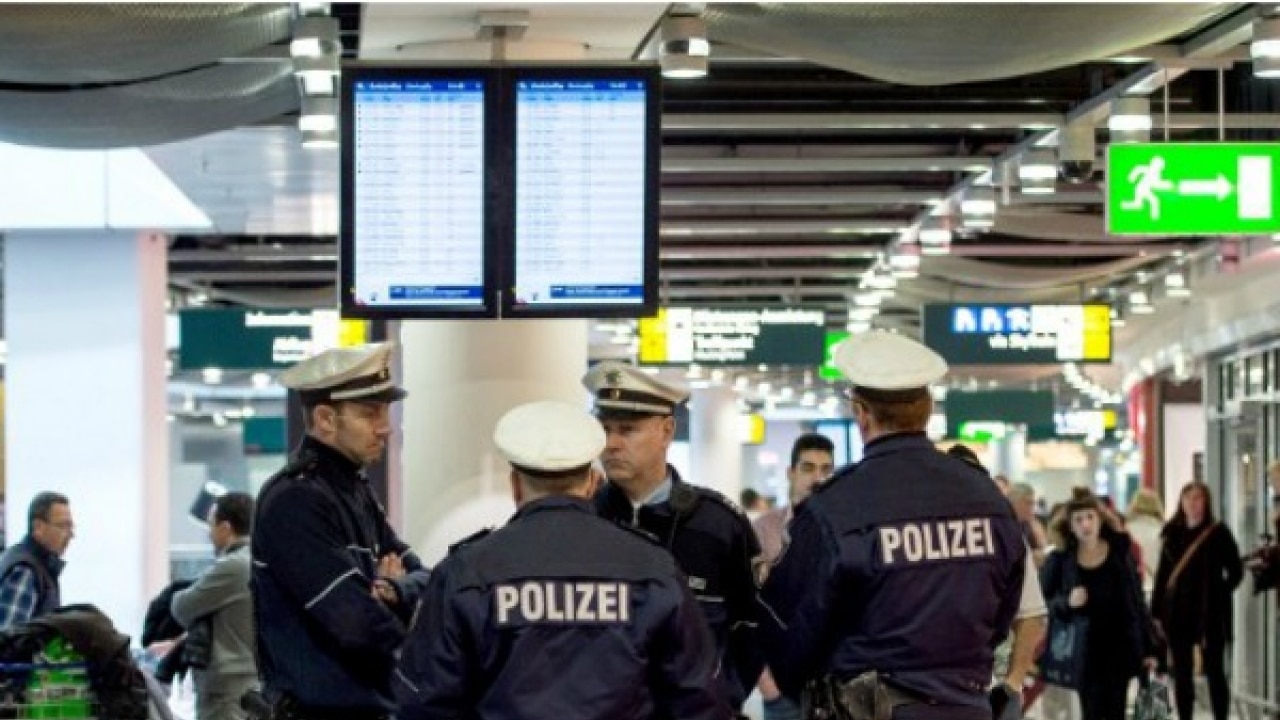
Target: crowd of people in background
[(1154, 593), (362, 630)]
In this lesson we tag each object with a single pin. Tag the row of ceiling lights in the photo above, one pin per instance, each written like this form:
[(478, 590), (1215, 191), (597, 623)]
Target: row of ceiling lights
[(317, 56), (1038, 171)]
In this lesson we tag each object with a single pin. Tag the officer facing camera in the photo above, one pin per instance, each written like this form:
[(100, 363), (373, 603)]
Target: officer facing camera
[(333, 585), (711, 539), (560, 613), (904, 571)]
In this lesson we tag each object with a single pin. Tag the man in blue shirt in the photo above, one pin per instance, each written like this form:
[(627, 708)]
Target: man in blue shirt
[(710, 538), (29, 570)]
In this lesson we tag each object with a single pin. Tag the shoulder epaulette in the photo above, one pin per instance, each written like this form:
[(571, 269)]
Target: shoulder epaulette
[(684, 499), (639, 532), (468, 540), (718, 498)]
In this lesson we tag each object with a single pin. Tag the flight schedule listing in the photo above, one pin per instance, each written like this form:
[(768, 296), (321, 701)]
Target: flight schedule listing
[(419, 192), (580, 191)]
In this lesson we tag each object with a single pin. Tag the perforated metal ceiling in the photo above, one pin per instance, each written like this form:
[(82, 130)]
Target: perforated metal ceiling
[(943, 44), (104, 75)]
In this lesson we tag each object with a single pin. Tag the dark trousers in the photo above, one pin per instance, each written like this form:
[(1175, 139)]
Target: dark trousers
[(1213, 653), (1104, 697)]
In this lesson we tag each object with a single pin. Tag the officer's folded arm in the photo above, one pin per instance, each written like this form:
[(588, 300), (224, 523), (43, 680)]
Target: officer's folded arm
[(410, 587), (320, 575)]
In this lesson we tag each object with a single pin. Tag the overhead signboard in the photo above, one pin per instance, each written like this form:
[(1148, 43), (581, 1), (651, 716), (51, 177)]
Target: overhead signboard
[(1193, 189), (828, 369), (991, 334), (733, 337), (973, 415), (240, 339)]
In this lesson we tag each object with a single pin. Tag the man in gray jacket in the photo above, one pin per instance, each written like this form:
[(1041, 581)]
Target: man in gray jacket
[(220, 597)]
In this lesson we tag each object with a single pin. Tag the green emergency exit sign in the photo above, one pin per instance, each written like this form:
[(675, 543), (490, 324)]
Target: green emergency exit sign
[(1193, 189)]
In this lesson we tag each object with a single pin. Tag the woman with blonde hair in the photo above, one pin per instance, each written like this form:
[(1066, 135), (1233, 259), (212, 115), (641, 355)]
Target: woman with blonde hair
[(1094, 575), (1145, 521)]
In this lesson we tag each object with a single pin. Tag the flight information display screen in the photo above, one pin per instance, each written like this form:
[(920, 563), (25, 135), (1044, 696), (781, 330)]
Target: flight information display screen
[(415, 222), (585, 225)]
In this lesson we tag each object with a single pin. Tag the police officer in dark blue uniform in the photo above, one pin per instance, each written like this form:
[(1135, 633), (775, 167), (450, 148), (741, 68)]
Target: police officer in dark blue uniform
[(333, 586), (903, 572), (560, 614), (712, 540)]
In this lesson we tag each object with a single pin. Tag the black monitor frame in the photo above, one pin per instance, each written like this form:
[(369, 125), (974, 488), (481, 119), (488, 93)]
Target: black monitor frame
[(363, 72), (653, 158)]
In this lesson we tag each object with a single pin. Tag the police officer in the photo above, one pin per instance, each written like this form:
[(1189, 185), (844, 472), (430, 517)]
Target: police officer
[(559, 614), (903, 571), (333, 586), (712, 541)]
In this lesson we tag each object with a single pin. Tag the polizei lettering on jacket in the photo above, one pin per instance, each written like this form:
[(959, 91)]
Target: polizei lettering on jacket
[(917, 542), (562, 602)]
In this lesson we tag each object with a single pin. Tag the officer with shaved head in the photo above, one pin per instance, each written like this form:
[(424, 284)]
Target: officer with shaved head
[(903, 571)]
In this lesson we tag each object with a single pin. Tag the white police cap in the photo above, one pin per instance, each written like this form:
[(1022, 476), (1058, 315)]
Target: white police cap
[(622, 388), (889, 362), (361, 373), (548, 437)]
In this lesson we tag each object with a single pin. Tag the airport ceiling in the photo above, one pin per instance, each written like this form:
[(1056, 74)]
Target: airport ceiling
[(821, 134)]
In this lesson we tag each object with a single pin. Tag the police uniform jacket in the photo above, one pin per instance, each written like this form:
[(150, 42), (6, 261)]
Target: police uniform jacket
[(323, 639), (558, 615), (909, 563), (715, 545)]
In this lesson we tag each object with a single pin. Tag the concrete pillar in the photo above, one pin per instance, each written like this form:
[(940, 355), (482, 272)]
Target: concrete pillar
[(1010, 455), (715, 443), (85, 406), (461, 377)]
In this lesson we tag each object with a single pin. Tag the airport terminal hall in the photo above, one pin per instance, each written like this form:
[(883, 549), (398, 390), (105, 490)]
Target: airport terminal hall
[(640, 361)]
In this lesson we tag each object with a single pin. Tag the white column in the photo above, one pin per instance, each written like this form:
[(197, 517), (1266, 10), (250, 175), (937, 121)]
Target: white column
[(1011, 455), (461, 377), (715, 443), (85, 406)]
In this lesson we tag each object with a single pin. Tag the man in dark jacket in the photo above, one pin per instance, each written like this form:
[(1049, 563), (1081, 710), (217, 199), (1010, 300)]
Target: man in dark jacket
[(29, 570), (333, 585), (902, 572), (711, 539), (559, 614)]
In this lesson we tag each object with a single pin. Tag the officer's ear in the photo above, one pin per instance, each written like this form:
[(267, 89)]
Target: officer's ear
[(324, 418), (668, 426)]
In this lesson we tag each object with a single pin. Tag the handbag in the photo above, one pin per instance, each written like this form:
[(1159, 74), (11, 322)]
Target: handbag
[(1062, 663), (1153, 701)]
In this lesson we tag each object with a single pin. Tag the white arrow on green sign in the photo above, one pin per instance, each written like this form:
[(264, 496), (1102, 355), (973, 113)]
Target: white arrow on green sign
[(1193, 189)]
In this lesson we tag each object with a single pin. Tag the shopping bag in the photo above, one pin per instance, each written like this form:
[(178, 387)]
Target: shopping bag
[(1153, 700), (1062, 663)]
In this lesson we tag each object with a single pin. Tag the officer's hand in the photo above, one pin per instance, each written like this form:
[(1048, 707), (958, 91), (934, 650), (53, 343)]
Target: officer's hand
[(1079, 597), (1006, 702), (386, 592), (390, 566)]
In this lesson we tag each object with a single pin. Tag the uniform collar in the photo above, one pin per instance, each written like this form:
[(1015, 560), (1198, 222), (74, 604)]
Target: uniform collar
[(331, 456), (660, 494), (554, 502), (52, 563), (896, 442)]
